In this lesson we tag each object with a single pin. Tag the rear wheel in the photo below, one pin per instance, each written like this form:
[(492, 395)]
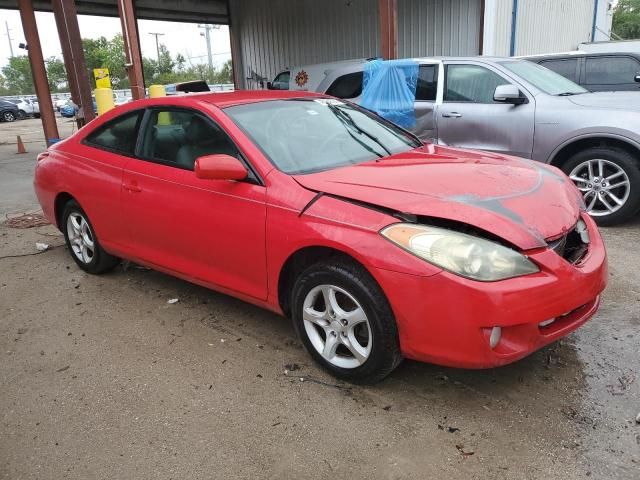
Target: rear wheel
[(345, 322), (609, 179), (22, 114), (82, 241), (9, 117)]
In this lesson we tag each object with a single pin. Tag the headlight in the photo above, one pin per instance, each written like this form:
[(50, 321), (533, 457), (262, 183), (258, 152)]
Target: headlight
[(465, 255)]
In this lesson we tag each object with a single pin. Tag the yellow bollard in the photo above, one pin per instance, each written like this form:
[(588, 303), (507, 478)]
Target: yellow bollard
[(104, 100), (155, 91)]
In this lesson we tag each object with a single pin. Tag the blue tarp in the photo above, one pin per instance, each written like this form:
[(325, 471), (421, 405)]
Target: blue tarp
[(389, 89)]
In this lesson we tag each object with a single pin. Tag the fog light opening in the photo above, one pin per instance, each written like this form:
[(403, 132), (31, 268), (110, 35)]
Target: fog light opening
[(494, 338), (546, 322)]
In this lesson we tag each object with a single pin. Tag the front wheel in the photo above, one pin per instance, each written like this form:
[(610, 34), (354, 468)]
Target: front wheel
[(345, 322), (82, 241), (609, 179), (22, 114), (9, 117)]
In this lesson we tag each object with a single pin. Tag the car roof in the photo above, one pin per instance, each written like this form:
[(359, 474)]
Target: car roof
[(225, 99), (579, 53)]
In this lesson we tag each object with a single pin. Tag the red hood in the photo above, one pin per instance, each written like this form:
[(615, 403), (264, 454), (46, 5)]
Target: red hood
[(521, 201)]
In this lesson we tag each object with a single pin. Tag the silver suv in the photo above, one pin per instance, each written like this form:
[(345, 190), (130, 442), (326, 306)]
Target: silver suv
[(519, 108)]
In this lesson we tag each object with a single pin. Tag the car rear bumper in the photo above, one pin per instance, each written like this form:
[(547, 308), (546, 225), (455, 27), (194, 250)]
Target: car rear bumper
[(447, 320)]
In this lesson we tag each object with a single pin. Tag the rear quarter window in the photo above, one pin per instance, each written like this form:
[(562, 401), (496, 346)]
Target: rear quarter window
[(118, 135)]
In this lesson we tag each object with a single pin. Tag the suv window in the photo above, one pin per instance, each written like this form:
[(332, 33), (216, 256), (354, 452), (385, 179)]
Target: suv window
[(470, 83), (118, 135), (347, 86), (567, 68), (611, 70), (177, 137), (427, 85)]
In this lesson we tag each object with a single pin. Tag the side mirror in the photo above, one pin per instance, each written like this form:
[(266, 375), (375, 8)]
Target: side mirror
[(637, 78), (508, 94), (220, 167)]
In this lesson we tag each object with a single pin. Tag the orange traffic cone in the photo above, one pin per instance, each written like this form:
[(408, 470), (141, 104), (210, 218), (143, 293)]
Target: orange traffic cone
[(21, 148)]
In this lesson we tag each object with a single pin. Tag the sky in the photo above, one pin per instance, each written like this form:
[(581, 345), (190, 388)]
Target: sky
[(181, 38)]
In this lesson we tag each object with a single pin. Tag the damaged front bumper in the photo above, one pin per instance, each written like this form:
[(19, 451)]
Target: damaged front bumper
[(449, 320)]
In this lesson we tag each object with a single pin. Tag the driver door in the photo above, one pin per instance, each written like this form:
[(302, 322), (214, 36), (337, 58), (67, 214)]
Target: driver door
[(470, 118)]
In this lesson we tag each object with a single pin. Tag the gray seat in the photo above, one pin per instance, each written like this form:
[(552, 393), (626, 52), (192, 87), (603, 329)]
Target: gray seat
[(202, 139)]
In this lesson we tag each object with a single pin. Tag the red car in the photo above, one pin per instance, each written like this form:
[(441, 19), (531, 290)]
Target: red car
[(378, 246)]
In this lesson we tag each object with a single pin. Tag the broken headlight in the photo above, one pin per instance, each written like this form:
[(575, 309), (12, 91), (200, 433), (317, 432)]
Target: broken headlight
[(462, 254)]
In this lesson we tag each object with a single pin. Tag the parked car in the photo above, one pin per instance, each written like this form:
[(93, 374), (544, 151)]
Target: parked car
[(513, 106), (378, 246), (597, 72), (8, 111), (68, 110), (26, 107)]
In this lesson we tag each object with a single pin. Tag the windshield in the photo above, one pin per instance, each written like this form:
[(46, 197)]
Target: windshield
[(306, 135), (543, 78)]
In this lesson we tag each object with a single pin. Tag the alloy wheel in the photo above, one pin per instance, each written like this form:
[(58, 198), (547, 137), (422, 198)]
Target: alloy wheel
[(9, 117), (337, 326), (605, 186), (81, 237)]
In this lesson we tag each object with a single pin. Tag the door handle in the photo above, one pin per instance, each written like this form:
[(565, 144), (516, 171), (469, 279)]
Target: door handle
[(452, 115), (132, 187)]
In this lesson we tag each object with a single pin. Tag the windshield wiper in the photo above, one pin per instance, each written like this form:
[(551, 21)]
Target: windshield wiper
[(348, 119), (567, 94)]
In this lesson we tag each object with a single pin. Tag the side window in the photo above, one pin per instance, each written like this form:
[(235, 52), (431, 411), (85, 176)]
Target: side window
[(470, 83), (611, 70), (346, 86), (177, 137), (566, 68), (427, 85), (118, 135), (281, 82)]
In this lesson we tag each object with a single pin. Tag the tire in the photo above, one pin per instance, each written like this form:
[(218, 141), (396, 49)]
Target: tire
[(9, 116), (82, 243), (355, 293), (22, 114), (613, 197)]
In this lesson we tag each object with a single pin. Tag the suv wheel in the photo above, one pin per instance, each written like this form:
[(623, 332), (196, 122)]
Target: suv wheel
[(609, 179), (22, 114), (9, 117), (345, 322)]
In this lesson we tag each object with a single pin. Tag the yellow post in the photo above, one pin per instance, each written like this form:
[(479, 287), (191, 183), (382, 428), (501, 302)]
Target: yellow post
[(104, 100), (155, 91)]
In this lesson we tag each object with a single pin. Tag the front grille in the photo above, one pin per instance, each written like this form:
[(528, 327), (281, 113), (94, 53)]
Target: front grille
[(574, 245)]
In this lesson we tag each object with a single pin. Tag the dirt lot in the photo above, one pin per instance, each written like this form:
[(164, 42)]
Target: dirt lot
[(100, 377)]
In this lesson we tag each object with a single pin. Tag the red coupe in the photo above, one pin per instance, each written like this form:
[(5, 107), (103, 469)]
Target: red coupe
[(378, 246)]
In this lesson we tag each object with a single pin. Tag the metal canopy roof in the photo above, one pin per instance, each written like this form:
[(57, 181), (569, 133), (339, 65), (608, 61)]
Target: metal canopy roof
[(210, 11)]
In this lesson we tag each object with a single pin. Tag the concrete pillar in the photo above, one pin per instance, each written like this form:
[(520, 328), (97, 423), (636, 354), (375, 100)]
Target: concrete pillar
[(388, 13), (71, 42), (38, 71), (132, 48)]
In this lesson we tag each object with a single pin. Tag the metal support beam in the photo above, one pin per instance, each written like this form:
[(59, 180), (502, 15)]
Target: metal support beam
[(71, 42), (38, 71), (388, 13), (132, 54)]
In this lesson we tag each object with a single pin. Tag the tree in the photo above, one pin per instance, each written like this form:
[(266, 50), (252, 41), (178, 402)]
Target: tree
[(626, 19), (103, 53), (17, 74), (56, 73)]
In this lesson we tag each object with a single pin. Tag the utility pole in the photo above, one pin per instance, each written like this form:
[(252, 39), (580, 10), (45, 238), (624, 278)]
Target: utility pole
[(157, 44), (207, 36), (6, 24)]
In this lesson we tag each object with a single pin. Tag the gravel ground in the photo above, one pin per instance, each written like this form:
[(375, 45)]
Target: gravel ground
[(100, 377)]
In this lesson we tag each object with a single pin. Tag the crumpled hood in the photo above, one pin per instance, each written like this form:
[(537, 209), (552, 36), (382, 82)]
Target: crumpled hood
[(608, 100), (522, 201)]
